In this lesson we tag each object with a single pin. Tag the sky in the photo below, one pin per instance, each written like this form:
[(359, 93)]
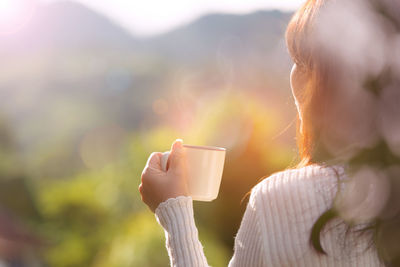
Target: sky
[(149, 17)]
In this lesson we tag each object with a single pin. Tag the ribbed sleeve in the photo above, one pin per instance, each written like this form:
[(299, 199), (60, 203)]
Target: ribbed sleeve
[(276, 225), (176, 217)]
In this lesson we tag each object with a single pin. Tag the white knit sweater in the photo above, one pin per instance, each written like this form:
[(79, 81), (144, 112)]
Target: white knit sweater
[(276, 225)]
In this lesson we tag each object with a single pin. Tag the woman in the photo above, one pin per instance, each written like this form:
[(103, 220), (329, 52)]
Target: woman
[(340, 207)]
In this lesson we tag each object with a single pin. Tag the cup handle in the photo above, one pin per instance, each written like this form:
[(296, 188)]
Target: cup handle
[(164, 161)]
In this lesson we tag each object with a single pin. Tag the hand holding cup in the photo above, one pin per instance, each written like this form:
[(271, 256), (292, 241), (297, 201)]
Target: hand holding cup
[(186, 170), (159, 185)]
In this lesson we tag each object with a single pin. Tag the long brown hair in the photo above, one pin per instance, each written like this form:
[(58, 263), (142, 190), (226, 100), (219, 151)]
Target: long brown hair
[(310, 61), (321, 73)]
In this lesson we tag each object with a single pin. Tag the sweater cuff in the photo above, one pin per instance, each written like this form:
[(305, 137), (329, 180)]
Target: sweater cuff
[(175, 214)]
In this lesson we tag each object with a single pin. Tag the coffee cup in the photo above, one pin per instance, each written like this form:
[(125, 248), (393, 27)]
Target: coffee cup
[(205, 165)]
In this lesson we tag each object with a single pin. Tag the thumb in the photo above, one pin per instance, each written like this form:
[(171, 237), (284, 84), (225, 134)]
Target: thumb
[(177, 155)]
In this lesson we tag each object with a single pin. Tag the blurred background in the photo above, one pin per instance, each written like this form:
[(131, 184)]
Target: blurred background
[(88, 89)]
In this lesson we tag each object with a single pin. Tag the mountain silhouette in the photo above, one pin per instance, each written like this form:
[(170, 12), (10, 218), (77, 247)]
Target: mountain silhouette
[(210, 34), (72, 69), (68, 25)]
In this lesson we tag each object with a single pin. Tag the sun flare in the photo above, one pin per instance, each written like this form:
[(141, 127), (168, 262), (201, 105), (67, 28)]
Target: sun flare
[(14, 14)]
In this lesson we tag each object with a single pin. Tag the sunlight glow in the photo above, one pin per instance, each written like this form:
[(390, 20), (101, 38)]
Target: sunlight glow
[(152, 17), (14, 14)]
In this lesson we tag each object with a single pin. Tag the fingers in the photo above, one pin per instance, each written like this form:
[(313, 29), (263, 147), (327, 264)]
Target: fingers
[(177, 154), (177, 144), (157, 185), (140, 188), (152, 168), (154, 160)]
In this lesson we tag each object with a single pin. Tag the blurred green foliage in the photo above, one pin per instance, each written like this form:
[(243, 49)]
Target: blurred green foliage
[(84, 106), (96, 217)]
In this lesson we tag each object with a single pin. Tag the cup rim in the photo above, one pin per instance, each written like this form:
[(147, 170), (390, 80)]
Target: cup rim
[(213, 148)]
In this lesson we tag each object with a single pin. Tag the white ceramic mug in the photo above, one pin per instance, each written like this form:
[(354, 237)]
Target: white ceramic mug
[(205, 165)]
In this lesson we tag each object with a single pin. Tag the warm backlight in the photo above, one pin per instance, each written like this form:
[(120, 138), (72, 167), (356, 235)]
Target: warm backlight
[(14, 14)]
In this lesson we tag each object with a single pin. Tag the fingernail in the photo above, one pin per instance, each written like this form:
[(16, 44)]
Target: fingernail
[(178, 143)]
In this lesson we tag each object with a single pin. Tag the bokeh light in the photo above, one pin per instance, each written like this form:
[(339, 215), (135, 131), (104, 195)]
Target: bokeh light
[(102, 146), (84, 101), (390, 114), (364, 195), (14, 14), (160, 106)]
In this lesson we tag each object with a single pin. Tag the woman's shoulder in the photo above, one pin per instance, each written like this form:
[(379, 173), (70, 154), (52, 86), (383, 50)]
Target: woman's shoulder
[(301, 184), (307, 175), (287, 204)]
